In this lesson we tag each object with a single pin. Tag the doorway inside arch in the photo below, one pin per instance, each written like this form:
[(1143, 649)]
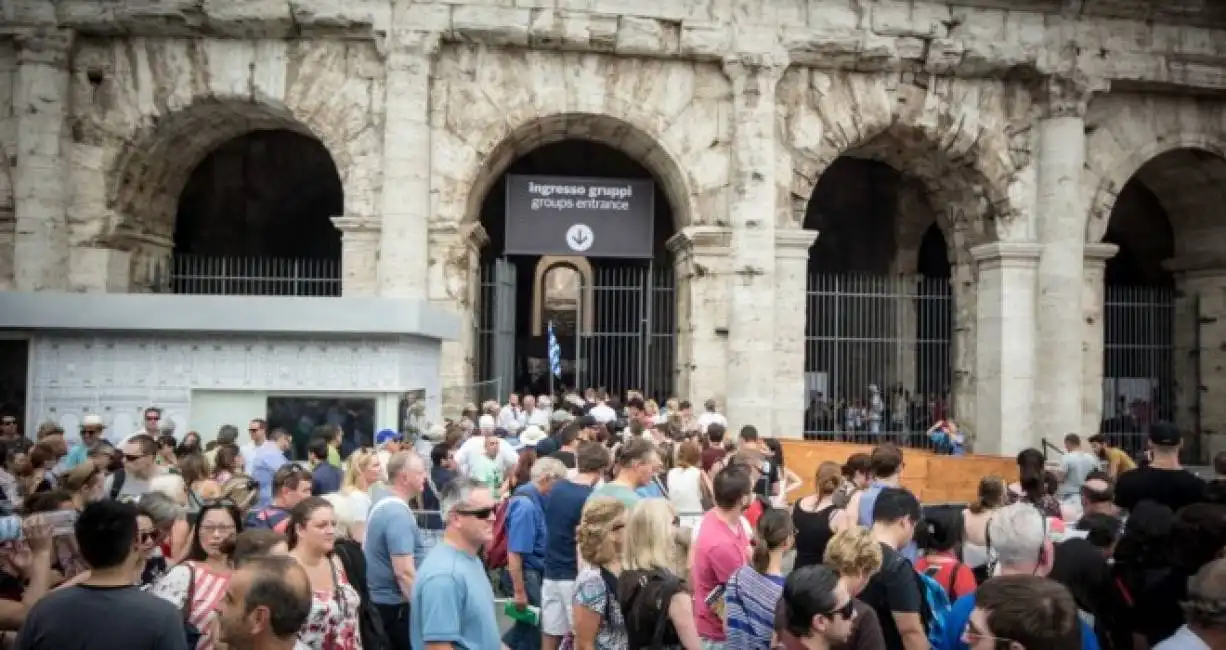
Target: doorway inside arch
[(613, 319), (880, 312), (255, 218)]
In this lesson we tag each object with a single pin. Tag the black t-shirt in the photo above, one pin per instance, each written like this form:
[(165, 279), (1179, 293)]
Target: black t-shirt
[(1157, 614), (893, 590), (1174, 488), (93, 609), (769, 477), (567, 457)]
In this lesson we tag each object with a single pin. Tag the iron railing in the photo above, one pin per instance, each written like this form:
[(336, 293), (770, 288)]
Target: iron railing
[(1138, 363), (878, 357), (250, 276)]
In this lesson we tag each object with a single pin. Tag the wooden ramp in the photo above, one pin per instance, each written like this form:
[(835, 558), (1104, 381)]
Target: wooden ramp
[(933, 478)]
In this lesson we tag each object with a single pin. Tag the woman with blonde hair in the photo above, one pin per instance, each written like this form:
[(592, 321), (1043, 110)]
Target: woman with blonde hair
[(173, 487), (649, 555), (816, 517), (855, 555), (361, 472), (598, 621)]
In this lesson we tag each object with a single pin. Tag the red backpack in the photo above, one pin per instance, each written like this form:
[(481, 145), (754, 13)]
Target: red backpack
[(496, 552)]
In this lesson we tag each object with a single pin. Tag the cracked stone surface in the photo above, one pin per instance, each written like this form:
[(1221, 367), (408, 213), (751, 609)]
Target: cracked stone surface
[(736, 107)]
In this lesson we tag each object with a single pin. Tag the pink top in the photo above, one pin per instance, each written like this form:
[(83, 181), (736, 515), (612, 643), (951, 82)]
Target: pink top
[(718, 552)]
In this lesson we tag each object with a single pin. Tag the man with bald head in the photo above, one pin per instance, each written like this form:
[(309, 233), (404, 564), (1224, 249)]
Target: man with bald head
[(265, 605), (1206, 626)]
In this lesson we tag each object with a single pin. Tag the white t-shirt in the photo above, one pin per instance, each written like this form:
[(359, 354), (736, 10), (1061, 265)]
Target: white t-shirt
[(685, 490), (708, 418), (603, 413), (474, 448)]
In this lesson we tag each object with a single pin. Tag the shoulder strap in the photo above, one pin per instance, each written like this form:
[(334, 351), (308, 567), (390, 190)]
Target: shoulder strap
[(953, 577), (191, 591), (117, 480), (336, 586), (670, 588)]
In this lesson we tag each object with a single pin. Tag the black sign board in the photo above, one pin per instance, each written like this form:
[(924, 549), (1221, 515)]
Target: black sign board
[(591, 217)]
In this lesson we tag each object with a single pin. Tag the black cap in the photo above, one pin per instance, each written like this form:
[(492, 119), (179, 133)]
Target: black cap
[(586, 421), (1164, 434)]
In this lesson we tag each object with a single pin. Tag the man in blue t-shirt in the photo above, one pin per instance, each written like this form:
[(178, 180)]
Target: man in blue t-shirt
[(1022, 548), (526, 543), (394, 547), (562, 514), (453, 599)]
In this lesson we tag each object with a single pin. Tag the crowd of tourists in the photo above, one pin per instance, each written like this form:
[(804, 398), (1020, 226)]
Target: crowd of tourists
[(584, 522)]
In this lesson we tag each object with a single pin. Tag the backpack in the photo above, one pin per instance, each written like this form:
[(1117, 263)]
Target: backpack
[(644, 597), (935, 606), (496, 552), (270, 517), (370, 625)]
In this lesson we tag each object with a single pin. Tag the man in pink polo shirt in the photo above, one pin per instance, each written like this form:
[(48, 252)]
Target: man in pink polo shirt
[(722, 547)]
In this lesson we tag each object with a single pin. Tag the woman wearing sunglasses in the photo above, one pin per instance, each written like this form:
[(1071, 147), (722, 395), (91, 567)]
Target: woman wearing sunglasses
[(196, 586)]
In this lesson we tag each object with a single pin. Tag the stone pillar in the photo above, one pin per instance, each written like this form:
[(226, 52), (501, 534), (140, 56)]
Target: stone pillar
[(1061, 216), (791, 317), (1200, 354), (963, 389), (454, 283), (40, 250), (406, 161), (360, 255), (1093, 295), (702, 257), (753, 204), (1006, 348)]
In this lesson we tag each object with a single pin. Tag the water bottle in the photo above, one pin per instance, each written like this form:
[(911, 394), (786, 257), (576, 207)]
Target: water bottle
[(530, 614)]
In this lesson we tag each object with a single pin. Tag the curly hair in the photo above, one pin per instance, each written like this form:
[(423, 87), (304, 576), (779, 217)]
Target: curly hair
[(853, 552), (595, 524)]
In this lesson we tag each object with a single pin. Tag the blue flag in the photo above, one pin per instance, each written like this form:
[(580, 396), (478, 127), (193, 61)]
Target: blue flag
[(555, 354)]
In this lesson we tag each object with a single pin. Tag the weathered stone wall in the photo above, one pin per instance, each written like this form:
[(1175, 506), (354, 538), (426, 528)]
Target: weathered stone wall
[(8, 152)]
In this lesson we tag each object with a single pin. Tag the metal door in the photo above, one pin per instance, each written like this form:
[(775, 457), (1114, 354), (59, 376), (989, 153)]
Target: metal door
[(630, 343), (503, 348)]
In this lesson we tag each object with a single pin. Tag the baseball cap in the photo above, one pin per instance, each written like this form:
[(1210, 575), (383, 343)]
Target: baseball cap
[(585, 421), (385, 436), (1164, 434)]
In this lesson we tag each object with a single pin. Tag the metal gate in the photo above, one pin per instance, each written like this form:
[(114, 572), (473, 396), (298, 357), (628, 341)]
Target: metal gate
[(630, 343), (878, 356), (1138, 362)]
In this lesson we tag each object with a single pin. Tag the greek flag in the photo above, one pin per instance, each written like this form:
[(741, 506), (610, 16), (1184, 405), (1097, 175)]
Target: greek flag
[(555, 353)]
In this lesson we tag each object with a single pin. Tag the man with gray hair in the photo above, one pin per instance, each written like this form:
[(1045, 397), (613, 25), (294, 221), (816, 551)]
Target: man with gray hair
[(527, 538), (394, 547), (453, 599), (1018, 543), (1204, 610)]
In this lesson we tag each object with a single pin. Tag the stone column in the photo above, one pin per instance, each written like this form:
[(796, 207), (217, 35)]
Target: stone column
[(1061, 216), (40, 250), (1006, 347), (359, 255), (963, 388), (1093, 295), (702, 257), (791, 316), (406, 161), (453, 281), (752, 213)]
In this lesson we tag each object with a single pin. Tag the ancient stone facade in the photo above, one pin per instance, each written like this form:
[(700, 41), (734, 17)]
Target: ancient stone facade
[(1019, 122)]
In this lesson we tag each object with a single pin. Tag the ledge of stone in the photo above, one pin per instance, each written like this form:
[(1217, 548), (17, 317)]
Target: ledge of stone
[(144, 312)]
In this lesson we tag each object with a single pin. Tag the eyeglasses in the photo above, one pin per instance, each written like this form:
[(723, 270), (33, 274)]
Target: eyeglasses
[(132, 458), (253, 430), (210, 529), (148, 537), (223, 502), (846, 612), (479, 513), (8, 421), (971, 636)]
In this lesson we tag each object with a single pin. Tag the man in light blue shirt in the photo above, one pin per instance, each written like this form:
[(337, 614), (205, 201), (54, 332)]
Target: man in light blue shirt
[(394, 547), (267, 460), (91, 433), (453, 600)]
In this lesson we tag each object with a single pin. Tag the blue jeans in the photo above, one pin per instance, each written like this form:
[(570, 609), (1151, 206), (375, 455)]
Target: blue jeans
[(523, 636)]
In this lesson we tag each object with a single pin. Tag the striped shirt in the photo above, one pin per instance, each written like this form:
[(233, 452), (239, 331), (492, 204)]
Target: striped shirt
[(206, 595), (749, 609)]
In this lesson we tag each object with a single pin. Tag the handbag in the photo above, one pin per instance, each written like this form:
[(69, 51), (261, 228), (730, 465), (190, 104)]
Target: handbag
[(370, 624), (190, 630)]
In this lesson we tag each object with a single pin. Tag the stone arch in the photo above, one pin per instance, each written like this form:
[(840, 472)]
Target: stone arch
[(580, 265), (505, 145), (949, 135), (155, 163), (1182, 169)]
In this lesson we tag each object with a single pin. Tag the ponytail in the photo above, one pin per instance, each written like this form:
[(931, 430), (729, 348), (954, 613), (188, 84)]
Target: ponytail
[(761, 553), (773, 532)]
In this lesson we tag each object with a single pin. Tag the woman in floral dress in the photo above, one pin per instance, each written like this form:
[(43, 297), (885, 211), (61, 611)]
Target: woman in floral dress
[(333, 621)]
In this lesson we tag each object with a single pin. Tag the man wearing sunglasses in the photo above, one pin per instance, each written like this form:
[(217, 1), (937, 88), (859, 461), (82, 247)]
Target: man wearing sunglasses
[(815, 611)]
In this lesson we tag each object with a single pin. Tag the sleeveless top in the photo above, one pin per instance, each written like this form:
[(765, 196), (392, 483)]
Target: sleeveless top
[(685, 490), (813, 533)]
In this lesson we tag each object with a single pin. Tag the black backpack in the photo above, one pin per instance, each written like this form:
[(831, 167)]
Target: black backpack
[(370, 626), (644, 596)]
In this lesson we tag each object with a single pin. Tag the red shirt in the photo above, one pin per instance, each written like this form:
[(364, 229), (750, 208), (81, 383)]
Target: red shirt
[(949, 571)]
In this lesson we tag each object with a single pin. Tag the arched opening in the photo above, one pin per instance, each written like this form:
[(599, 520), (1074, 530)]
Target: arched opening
[(1155, 316), (254, 218), (626, 341), (879, 331)]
